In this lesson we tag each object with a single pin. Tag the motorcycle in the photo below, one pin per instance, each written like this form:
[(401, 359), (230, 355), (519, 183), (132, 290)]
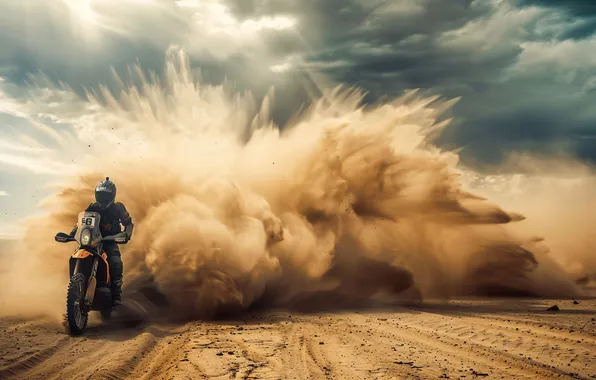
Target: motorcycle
[(89, 286)]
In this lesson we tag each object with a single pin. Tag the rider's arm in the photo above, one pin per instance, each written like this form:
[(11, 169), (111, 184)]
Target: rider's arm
[(125, 219), (128, 229)]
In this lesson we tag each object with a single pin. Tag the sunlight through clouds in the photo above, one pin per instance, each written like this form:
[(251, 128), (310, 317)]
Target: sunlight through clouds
[(202, 25), (224, 34), (215, 17), (83, 11), (88, 27)]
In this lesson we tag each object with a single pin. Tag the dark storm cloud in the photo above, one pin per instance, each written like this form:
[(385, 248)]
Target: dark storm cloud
[(383, 46), (582, 29), (468, 49), (326, 23), (525, 69), (582, 8), (366, 42), (536, 128), (582, 11)]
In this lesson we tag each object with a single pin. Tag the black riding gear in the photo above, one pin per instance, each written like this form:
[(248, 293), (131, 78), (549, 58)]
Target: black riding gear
[(111, 217), (116, 268), (110, 220)]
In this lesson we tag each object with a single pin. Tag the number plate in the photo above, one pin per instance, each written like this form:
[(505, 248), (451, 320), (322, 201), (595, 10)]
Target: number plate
[(88, 221)]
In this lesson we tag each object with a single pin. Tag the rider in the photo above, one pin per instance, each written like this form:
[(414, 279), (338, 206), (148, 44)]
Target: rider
[(112, 214)]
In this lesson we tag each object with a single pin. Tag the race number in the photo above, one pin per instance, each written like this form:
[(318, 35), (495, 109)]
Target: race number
[(88, 221)]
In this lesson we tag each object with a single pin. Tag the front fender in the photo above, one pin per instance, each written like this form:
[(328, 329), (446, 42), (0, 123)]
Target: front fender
[(81, 254)]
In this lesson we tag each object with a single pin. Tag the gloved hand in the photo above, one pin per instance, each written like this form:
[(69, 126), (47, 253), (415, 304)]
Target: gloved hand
[(128, 230)]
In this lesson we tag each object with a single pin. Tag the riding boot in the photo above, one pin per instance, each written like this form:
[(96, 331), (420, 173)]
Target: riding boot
[(116, 295), (117, 286)]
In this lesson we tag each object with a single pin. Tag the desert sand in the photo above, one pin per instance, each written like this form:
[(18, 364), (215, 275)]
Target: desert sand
[(498, 338)]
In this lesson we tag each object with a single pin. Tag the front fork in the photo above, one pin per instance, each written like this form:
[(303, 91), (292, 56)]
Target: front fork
[(91, 283)]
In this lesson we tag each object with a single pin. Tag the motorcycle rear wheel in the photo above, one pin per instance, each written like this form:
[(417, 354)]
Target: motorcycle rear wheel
[(75, 300)]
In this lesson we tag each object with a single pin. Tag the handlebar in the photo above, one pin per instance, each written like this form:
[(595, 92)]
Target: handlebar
[(120, 238)]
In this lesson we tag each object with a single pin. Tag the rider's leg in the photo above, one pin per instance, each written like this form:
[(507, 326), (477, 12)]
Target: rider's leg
[(116, 267)]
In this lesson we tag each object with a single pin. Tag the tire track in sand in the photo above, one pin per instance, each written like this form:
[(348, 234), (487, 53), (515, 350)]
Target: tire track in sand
[(29, 362)]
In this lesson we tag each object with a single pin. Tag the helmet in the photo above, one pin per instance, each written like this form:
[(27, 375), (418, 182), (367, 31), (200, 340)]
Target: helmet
[(105, 193)]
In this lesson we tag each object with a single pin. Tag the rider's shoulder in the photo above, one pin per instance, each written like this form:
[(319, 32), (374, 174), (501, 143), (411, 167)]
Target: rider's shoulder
[(93, 206), (119, 206)]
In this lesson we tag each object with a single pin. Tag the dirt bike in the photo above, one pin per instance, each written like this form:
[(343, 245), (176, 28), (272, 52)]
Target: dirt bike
[(89, 286)]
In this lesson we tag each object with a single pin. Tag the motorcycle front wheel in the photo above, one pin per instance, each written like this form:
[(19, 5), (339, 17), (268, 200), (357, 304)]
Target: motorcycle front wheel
[(75, 301)]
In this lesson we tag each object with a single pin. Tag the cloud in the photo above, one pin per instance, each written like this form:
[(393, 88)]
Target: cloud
[(78, 42), (3, 193), (566, 62), (524, 86), (97, 32), (524, 69), (576, 7)]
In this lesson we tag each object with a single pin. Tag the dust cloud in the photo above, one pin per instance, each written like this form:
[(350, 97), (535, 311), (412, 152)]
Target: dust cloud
[(345, 203)]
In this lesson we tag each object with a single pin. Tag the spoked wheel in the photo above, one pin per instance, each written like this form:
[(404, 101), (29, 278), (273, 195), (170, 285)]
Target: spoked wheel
[(75, 301)]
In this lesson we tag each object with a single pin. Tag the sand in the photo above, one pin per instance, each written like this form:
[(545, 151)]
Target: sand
[(504, 338)]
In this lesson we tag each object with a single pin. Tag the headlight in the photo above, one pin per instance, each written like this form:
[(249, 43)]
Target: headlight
[(85, 237)]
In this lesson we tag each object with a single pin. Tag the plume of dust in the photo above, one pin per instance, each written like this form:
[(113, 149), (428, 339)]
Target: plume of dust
[(558, 198), (230, 211)]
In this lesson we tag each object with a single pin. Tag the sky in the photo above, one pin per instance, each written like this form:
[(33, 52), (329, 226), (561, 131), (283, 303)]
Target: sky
[(525, 70)]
